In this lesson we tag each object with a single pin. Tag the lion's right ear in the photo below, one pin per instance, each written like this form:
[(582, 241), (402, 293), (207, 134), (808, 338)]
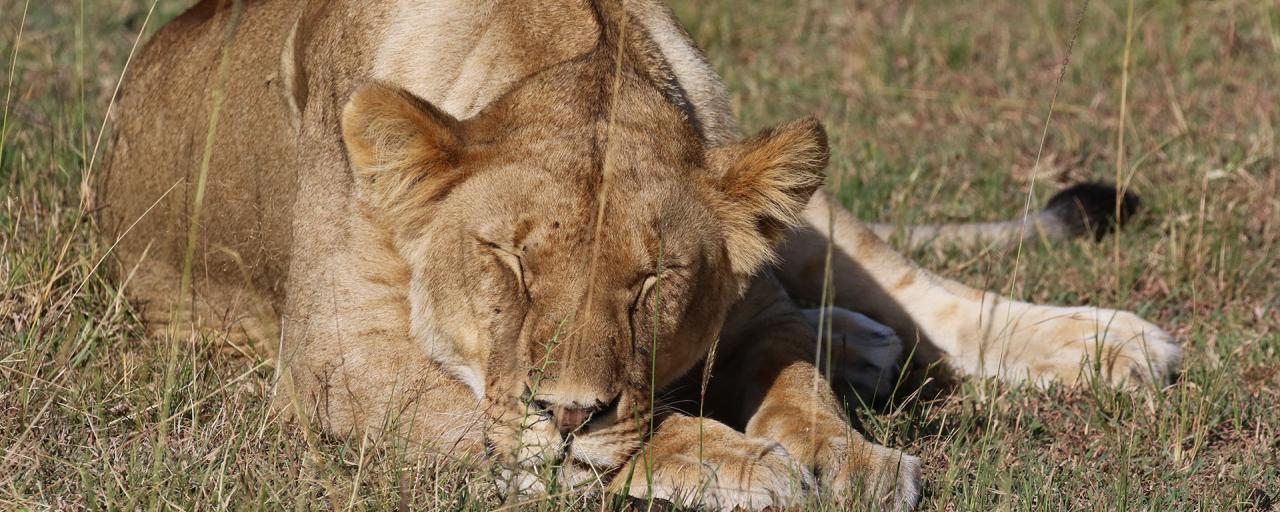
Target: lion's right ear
[(405, 151), (764, 183)]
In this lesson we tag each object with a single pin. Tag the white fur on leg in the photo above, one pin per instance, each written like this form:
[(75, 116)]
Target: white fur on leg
[(1018, 341)]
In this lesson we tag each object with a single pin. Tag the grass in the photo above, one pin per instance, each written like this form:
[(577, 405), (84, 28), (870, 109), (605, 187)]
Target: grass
[(936, 112)]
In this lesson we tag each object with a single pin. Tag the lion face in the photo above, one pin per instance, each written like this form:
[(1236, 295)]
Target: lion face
[(573, 253)]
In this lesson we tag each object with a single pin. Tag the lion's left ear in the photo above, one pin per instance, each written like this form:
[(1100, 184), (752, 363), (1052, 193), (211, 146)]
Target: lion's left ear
[(405, 150), (765, 183)]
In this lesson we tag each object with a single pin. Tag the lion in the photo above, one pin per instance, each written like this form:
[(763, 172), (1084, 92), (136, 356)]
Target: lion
[(525, 232)]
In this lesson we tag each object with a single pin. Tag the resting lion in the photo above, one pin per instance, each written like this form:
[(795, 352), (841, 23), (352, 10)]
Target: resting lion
[(501, 229)]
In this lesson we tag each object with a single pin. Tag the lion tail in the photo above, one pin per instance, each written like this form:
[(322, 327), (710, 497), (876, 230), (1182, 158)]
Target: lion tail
[(1083, 209)]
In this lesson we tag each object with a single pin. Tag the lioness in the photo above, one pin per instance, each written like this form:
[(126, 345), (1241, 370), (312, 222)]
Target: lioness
[(525, 229)]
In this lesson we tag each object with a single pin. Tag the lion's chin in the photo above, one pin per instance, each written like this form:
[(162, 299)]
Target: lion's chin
[(597, 454), (592, 459)]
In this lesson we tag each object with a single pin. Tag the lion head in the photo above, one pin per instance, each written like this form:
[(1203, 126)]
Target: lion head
[(575, 246)]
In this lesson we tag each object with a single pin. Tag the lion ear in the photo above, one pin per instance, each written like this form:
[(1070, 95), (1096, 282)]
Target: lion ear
[(404, 150), (765, 183)]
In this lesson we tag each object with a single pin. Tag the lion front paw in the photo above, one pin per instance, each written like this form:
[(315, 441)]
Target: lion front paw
[(855, 471), (1070, 345), (701, 463)]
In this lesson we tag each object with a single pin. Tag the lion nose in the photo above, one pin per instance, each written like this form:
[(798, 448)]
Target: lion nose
[(572, 416), (569, 419)]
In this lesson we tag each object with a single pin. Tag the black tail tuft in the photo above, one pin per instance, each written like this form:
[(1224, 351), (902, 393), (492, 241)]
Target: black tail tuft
[(1091, 208)]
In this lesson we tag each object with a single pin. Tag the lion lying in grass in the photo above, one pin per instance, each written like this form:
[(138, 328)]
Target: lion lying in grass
[(524, 230)]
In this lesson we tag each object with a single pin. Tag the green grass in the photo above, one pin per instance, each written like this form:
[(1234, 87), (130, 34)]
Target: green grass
[(936, 112)]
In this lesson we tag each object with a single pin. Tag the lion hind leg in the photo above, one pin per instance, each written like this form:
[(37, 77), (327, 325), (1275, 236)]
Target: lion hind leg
[(975, 332), (233, 314)]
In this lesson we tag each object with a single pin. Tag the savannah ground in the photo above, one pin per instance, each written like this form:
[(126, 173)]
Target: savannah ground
[(937, 112)]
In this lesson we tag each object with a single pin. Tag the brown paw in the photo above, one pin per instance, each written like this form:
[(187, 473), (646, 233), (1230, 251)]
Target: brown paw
[(698, 462), (854, 471)]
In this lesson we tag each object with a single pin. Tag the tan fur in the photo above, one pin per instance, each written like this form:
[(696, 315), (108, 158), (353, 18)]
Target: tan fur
[(478, 231)]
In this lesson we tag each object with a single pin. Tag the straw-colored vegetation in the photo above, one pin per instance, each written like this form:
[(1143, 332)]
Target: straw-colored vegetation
[(936, 111)]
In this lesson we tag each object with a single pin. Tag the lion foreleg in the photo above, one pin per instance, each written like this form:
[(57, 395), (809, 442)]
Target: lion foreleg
[(784, 397)]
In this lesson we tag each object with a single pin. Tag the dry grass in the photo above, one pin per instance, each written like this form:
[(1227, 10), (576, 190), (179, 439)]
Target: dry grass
[(936, 111)]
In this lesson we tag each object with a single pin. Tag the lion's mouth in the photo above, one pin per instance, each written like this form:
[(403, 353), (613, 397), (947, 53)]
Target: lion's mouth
[(591, 453), (589, 461)]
